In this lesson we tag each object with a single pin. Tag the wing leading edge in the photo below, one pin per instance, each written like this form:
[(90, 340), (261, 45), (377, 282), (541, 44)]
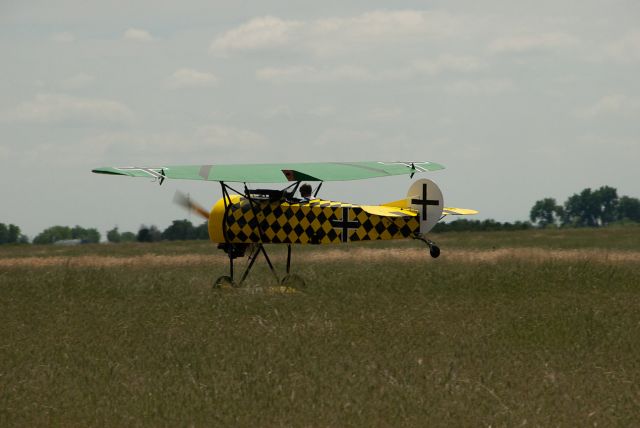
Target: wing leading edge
[(276, 173)]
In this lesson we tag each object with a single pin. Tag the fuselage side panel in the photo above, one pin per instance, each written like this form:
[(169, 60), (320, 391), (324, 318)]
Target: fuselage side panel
[(314, 222)]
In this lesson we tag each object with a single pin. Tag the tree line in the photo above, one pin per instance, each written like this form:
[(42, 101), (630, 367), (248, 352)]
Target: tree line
[(589, 208), (179, 230)]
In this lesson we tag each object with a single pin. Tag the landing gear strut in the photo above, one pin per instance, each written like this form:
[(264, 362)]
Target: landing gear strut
[(434, 250), (238, 250)]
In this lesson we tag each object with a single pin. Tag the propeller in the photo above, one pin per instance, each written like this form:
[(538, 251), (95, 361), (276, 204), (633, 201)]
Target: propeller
[(186, 202)]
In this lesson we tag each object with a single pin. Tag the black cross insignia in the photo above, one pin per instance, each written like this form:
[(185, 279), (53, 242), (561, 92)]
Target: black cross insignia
[(424, 202), (345, 224)]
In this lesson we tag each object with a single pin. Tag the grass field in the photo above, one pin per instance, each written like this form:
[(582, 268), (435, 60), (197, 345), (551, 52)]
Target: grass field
[(532, 328)]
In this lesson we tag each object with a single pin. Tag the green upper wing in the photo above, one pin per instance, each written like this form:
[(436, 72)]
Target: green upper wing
[(277, 173)]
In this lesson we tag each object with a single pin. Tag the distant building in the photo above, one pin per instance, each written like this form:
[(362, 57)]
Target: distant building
[(70, 242)]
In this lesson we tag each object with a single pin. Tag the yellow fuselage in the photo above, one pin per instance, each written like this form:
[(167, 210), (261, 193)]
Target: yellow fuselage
[(241, 221)]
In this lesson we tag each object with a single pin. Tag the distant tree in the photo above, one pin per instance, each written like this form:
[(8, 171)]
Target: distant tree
[(113, 235), (464, 225), (202, 231), (591, 208), (127, 237), (144, 235), (628, 209), (86, 235), (580, 210), (545, 212), (92, 236), (13, 233), (58, 233), (179, 230), (53, 234), (607, 201), (4, 233), (10, 234), (149, 234)]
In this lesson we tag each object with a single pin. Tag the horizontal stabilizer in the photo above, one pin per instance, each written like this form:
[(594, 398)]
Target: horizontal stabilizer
[(404, 203), (388, 211), (458, 211)]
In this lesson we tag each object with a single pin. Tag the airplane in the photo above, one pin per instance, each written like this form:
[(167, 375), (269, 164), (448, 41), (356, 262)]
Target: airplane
[(249, 218)]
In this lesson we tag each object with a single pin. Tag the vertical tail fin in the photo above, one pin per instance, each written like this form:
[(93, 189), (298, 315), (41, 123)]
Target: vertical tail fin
[(425, 197)]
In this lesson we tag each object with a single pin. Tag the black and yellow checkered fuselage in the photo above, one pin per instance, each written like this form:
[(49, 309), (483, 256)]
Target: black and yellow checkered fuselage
[(241, 221)]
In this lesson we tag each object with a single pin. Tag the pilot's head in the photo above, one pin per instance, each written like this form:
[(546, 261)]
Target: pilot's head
[(305, 191)]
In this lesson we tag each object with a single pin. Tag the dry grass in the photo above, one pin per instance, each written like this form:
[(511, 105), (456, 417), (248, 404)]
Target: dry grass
[(367, 255), (99, 261)]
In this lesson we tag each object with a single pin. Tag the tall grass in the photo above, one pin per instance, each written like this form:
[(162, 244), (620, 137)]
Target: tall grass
[(368, 342)]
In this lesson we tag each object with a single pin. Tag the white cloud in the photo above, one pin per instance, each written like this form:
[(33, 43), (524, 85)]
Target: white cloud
[(332, 36), (61, 108), (384, 113), (323, 111), (449, 63), (353, 73), (137, 35), (4, 153), (611, 105), (309, 74), (532, 42), (278, 111), (346, 138), (190, 78), (383, 25), (626, 49), (78, 81), (258, 33), (217, 136), (63, 37), (205, 144), (479, 87)]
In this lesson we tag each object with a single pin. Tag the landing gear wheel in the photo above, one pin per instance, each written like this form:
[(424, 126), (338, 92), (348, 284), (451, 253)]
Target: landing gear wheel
[(293, 281), (224, 282), (434, 251)]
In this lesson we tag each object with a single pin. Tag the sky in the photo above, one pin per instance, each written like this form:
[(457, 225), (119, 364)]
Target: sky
[(519, 100)]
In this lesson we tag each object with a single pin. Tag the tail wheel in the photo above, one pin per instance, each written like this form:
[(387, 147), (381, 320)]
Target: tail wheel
[(434, 251), (224, 281)]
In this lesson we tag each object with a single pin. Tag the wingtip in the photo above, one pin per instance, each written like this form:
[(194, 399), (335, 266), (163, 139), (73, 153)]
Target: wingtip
[(107, 170)]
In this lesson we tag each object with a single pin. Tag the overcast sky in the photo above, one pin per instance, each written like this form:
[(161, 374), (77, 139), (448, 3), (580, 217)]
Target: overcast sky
[(519, 100)]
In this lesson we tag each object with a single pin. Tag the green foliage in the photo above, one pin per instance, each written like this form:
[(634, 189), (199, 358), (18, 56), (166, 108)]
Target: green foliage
[(90, 235), (607, 204), (589, 208), (59, 233), (10, 234), (53, 234), (629, 209), (149, 234), (182, 230), (202, 231), (128, 237), (546, 212), (113, 235), (480, 226)]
